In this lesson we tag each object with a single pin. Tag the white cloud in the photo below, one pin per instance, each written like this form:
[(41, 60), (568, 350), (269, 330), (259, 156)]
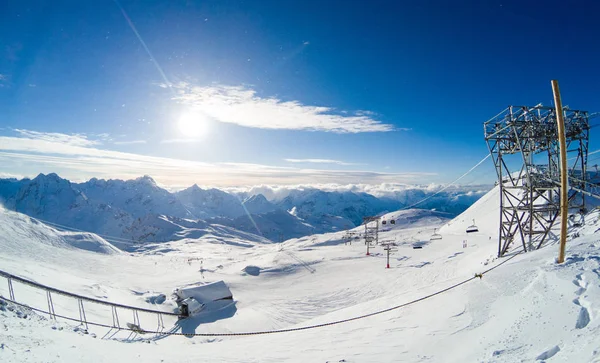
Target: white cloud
[(3, 80), (131, 142), (319, 161), (242, 106), (75, 157), (398, 191), (10, 175), (71, 140), (365, 113)]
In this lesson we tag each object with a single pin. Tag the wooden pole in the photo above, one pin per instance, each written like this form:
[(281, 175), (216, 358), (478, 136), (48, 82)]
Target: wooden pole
[(564, 201)]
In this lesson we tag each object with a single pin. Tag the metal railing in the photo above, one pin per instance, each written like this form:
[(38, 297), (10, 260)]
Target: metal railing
[(82, 318)]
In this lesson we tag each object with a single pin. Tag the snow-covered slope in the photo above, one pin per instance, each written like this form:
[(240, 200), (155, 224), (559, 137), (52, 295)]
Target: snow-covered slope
[(411, 218), (277, 225), (22, 235), (529, 309), (154, 228), (485, 212)]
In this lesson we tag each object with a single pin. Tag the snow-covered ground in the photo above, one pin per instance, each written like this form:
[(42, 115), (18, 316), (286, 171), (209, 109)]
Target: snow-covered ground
[(526, 310)]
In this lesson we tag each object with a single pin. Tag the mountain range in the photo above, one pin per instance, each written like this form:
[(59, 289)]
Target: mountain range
[(136, 211)]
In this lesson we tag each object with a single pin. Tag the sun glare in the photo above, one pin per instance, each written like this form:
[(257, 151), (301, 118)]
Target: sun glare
[(192, 124)]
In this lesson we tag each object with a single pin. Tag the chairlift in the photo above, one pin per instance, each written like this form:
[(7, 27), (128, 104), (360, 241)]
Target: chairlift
[(435, 235), (418, 244), (472, 228)]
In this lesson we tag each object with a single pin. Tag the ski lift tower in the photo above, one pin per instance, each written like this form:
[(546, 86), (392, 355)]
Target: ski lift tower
[(389, 247), (371, 231), (523, 143)]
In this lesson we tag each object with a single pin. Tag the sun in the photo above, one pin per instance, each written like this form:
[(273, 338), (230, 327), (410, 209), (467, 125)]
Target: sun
[(193, 124)]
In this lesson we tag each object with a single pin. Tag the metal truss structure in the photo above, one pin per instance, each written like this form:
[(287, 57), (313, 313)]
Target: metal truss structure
[(523, 143)]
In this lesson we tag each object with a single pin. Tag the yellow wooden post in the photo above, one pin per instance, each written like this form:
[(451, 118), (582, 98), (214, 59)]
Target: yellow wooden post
[(564, 192)]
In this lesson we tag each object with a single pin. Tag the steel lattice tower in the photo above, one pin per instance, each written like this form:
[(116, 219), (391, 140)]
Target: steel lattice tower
[(523, 143)]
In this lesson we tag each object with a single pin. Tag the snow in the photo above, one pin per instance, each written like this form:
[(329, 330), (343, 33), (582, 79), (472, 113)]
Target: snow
[(136, 211), (138, 197), (139, 211), (205, 293), (525, 310), (16, 229)]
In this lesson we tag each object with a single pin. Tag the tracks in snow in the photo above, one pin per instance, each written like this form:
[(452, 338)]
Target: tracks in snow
[(584, 313)]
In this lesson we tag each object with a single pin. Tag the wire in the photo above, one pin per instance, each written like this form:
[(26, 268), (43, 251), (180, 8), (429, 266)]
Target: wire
[(447, 186)]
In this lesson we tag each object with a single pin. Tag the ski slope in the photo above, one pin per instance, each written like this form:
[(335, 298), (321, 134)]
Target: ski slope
[(529, 309)]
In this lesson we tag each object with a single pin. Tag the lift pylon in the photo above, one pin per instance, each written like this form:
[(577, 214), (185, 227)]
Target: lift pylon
[(523, 143)]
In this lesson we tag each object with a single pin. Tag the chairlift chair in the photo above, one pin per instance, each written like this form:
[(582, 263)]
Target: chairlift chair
[(472, 228), (418, 244), (435, 235)]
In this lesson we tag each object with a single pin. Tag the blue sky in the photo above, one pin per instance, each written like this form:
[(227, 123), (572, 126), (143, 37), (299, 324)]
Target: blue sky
[(279, 92)]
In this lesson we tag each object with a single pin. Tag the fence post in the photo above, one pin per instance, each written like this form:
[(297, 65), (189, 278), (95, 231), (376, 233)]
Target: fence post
[(50, 305), (82, 316), (115, 316), (11, 292)]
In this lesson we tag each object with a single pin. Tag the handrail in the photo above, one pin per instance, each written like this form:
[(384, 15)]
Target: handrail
[(81, 297)]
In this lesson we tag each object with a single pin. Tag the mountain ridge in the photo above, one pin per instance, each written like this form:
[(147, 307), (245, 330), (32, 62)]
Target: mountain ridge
[(139, 210)]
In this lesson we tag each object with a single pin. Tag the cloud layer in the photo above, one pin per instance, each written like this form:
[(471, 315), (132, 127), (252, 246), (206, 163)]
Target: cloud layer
[(397, 191), (77, 157), (131, 142), (73, 139), (242, 106), (319, 161)]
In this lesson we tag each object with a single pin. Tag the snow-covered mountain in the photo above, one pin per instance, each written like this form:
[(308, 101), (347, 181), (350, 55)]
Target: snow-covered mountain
[(258, 204), (277, 225), (51, 198), (207, 203), (313, 204), (140, 211), (137, 197)]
